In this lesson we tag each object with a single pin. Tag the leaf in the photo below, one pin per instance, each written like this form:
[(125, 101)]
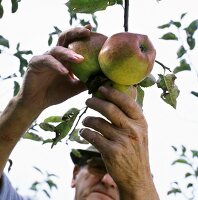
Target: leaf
[(38, 170), (1, 11), (174, 191), (47, 194), (4, 42), (74, 136), (191, 42), (194, 93), (188, 174), (140, 96), (184, 66), (148, 81), (16, 88), (76, 153), (169, 36), (47, 127), (32, 136), (14, 5), (10, 164), (193, 26), (194, 153), (170, 90), (177, 24), (181, 51), (174, 148), (189, 185), (53, 119), (51, 184), (71, 115), (90, 6), (34, 186), (183, 150), (182, 161), (183, 15)]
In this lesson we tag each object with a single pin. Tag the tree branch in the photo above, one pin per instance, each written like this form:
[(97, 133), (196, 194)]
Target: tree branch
[(126, 15)]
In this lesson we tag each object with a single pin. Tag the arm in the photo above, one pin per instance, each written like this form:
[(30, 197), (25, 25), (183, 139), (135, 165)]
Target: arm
[(123, 143), (47, 82)]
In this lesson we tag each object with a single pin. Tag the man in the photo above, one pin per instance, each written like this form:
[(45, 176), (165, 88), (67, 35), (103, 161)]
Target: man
[(122, 139)]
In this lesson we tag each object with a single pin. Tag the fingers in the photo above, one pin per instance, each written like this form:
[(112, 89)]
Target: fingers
[(65, 55), (126, 103), (99, 124), (73, 34)]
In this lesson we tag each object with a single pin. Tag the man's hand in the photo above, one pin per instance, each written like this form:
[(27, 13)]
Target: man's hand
[(48, 80), (123, 143)]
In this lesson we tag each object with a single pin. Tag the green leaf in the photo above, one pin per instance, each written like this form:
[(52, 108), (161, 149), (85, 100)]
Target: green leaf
[(140, 96), (34, 186), (53, 119), (181, 51), (90, 6), (189, 185), (194, 93), (164, 26), (1, 11), (38, 170), (170, 90), (47, 193), (47, 127), (4, 42), (184, 66), (182, 161), (174, 191), (183, 15), (16, 88), (148, 81), (51, 184), (14, 5), (177, 24), (174, 148), (191, 42), (169, 36), (183, 150), (194, 153), (74, 136), (193, 26), (32, 136), (70, 115), (188, 174), (76, 153)]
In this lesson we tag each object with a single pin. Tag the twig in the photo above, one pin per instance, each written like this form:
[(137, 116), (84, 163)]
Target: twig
[(126, 15), (77, 122), (164, 67)]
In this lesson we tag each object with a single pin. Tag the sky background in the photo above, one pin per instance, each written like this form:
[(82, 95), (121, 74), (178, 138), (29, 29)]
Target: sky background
[(30, 26)]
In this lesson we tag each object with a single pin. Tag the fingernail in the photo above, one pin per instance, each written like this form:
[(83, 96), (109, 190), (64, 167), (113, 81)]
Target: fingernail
[(102, 89), (81, 131), (78, 56)]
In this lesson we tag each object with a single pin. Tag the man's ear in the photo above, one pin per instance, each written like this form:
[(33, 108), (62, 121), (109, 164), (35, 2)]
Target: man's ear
[(75, 172)]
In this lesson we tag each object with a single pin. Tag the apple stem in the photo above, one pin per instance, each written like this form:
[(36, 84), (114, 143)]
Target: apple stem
[(126, 15), (162, 65)]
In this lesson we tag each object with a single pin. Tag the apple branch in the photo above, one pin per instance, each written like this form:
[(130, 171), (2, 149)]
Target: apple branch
[(126, 15)]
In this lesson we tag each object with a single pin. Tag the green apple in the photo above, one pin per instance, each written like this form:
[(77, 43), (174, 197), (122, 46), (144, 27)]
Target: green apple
[(89, 48), (127, 58)]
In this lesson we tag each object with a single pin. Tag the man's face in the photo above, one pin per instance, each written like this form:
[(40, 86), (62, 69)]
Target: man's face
[(92, 182)]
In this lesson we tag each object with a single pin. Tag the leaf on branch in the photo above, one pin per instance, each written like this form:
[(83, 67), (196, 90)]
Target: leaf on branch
[(64, 127), (140, 96), (174, 191), (4, 42), (14, 5), (47, 193), (193, 26), (56, 32), (194, 153), (188, 174), (51, 184), (32, 136), (47, 127), (183, 15), (169, 36), (181, 51), (194, 93), (181, 161), (16, 88), (90, 6), (1, 11), (10, 164), (170, 90), (191, 42), (184, 66), (53, 119), (148, 81), (74, 136), (177, 24), (189, 185)]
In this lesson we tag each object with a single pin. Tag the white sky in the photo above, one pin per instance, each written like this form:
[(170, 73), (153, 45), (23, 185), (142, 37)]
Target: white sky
[(31, 25)]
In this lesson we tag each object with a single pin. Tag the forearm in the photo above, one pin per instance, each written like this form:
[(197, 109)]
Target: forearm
[(144, 192), (14, 121)]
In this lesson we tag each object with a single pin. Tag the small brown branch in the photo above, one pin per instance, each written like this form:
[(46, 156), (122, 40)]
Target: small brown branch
[(126, 15)]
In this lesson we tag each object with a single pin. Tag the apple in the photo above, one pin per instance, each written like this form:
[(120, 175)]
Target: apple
[(89, 48), (127, 58)]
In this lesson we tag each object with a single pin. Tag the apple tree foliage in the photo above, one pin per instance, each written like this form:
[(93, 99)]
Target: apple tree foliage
[(65, 126)]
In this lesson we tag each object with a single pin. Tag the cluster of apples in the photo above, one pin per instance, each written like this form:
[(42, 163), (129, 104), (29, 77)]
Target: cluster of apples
[(121, 60)]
